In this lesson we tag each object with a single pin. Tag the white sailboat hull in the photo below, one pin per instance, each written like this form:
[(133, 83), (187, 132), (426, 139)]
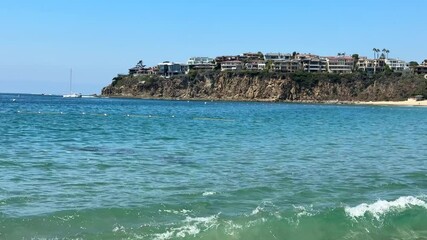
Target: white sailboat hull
[(73, 95)]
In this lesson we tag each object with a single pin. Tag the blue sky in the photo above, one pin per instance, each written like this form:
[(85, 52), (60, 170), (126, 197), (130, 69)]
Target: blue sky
[(41, 40)]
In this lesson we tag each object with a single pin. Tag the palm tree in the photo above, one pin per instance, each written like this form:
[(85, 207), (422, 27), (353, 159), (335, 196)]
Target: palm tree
[(376, 51), (387, 51), (355, 61), (294, 54)]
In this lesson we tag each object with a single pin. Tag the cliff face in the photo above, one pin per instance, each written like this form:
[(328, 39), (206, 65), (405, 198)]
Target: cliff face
[(270, 86)]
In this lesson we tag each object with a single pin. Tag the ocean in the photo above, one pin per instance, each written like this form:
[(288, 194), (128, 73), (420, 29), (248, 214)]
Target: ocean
[(98, 168)]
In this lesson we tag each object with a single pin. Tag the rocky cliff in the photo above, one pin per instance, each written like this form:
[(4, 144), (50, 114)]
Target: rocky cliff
[(261, 86)]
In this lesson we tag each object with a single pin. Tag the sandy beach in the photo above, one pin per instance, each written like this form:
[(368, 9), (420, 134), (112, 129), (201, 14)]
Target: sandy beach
[(409, 102)]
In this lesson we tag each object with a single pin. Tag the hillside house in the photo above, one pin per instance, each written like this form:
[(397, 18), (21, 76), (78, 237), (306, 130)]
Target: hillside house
[(231, 65), (340, 64), (255, 65), (396, 65), (277, 56), (140, 69), (422, 68), (201, 63), (291, 65), (168, 69)]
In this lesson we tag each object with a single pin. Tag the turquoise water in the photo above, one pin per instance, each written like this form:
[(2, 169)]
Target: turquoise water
[(151, 169)]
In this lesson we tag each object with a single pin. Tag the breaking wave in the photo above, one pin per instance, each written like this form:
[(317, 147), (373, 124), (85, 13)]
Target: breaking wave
[(382, 207), (402, 218)]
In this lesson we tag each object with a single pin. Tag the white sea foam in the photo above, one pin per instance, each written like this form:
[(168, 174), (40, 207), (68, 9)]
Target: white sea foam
[(169, 211), (66, 218), (164, 236), (382, 207), (183, 211), (257, 210), (265, 206), (181, 232), (190, 230), (303, 211), (204, 220), (208, 193), (192, 227), (119, 228), (232, 228)]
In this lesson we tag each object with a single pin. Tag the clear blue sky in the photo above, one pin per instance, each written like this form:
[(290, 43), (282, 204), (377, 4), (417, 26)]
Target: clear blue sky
[(41, 40)]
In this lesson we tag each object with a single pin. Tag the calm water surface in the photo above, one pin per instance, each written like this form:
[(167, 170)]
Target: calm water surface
[(151, 169)]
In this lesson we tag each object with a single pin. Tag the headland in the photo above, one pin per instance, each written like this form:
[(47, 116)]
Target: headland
[(359, 88), (277, 77)]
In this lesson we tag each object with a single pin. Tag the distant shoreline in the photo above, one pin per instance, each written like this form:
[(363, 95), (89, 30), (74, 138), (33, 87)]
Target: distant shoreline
[(355, 88), (414, 103)]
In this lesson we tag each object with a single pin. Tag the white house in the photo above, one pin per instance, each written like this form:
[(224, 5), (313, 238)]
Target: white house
[(170, 68), (396, 64), (231, 65), (255, 65), (200, 60), (201, 63), (277, 56)]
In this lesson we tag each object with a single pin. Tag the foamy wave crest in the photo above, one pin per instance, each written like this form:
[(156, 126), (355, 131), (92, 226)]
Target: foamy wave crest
[(382, 207), (208, 193), (232, 228), (183, 211), (119, 228), (265, 206), (192, 227), (257, 210), (301, 211)]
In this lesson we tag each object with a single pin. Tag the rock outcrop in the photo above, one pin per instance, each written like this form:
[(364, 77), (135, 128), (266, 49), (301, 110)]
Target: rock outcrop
[(267, 86)]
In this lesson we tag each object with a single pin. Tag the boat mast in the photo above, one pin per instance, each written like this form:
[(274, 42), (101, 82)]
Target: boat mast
[(71, 78)]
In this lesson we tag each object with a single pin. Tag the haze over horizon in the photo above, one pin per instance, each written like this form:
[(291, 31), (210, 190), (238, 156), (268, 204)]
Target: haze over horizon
[(41, 41)]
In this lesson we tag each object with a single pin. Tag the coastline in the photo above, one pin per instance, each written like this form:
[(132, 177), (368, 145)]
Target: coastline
[(409, 103), (308, 88)]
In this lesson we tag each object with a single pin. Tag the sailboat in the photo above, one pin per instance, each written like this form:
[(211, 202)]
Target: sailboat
[(72, 95)]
